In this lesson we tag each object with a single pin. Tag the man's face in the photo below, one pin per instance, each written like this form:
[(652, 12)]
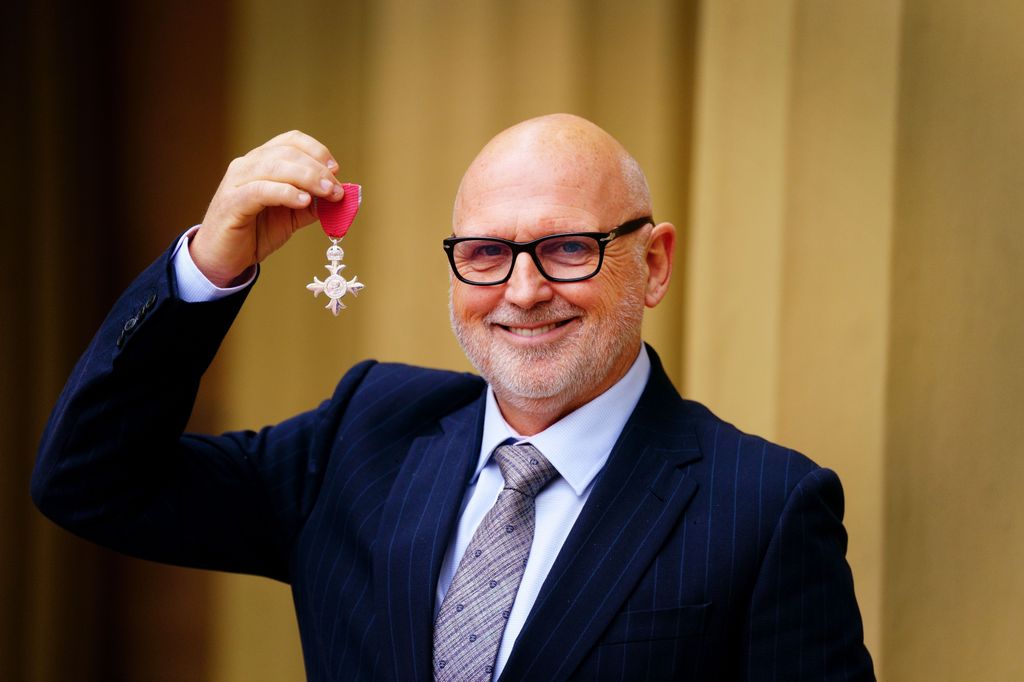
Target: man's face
[(566, 342)]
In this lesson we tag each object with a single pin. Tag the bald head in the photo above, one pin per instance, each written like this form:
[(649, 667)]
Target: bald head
[(565, 153)]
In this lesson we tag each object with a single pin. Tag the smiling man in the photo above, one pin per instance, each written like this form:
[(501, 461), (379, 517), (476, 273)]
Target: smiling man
[(569, 516), (545, 347)]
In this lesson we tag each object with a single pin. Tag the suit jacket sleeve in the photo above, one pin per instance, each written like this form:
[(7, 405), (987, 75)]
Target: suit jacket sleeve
[(115, 467), (804, 622)]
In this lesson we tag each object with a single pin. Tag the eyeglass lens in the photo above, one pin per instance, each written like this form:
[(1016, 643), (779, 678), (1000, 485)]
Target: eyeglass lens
[(562, 257)]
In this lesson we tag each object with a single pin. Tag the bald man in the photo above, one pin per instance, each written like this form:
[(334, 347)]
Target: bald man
[(566, 516)]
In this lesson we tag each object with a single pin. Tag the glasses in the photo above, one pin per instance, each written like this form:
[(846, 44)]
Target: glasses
[(567, 257)]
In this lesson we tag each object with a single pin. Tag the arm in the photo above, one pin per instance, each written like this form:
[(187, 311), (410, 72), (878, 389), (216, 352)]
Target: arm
[(115, 468), (114, 465), (804, 621)]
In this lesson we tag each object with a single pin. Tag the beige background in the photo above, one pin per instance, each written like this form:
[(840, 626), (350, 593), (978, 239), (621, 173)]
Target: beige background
[(846, 179)]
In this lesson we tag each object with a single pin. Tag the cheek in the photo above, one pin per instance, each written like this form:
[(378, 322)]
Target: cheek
[(586, 295), (598, 296), (621, 278), (472, 303)]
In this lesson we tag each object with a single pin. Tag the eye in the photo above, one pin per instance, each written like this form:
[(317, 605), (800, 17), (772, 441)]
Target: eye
[(568, 249), (480, 254), (486, 250)]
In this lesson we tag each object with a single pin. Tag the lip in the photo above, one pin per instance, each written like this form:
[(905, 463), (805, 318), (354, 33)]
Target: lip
[(534, 333)]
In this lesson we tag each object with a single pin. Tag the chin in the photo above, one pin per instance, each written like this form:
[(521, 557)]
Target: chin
[(559, 375), (568, 372), (540, 382)]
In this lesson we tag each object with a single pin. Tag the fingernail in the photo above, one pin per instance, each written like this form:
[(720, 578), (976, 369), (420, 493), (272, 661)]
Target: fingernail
[(326, 185), (332, 164), (303, 197), (339, 191)]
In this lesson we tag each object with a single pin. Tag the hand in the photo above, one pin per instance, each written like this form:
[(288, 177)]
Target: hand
[(264, 197)]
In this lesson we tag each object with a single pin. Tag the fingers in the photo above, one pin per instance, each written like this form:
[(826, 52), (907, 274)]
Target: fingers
[(300, 140), (286, 171), (260, 193), (289, 164), (295, 168), (263, 198)]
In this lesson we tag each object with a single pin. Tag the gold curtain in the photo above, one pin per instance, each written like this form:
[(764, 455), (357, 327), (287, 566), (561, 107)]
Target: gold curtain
[(113, 125), (844, 176), (853, 290)]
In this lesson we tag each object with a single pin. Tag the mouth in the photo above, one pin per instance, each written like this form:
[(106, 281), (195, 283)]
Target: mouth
[(540, 330)]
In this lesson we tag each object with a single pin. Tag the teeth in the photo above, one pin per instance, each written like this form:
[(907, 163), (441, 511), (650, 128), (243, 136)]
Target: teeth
[(536, 331)]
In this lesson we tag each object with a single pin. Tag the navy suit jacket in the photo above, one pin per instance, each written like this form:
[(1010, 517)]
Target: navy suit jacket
[(703, 553)]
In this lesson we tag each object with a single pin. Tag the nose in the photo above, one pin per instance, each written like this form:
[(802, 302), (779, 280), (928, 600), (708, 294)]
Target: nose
[(527, 286)]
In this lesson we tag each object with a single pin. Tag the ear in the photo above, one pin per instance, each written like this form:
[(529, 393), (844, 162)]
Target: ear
[(660, 252)]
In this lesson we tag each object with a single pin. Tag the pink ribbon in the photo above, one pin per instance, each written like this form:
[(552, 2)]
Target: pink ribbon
[(336, 216)]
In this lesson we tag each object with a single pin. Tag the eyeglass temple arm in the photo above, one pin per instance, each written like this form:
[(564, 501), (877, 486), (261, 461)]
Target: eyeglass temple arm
[(629, 227)]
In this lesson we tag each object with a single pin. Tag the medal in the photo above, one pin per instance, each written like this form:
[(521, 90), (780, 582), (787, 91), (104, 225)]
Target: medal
[(335, 219)]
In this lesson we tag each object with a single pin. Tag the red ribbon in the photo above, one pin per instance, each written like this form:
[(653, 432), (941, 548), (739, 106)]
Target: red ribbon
[(336, 216)]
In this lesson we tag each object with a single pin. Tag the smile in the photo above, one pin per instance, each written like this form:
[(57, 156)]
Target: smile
[(534, 331)]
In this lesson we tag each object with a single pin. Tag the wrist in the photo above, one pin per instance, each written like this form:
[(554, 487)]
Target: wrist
[(210, 266)]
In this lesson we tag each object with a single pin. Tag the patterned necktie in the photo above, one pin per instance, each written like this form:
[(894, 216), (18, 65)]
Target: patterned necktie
[(476, 607)]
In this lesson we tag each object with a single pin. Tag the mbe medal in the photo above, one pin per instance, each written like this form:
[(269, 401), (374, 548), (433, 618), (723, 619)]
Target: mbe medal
[(335, 219)]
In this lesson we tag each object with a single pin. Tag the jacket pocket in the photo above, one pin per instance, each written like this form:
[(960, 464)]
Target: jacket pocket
[(654, 624)]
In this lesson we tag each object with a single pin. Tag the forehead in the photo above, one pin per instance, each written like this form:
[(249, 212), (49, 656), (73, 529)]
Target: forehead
[(530, 214), (526, 198)]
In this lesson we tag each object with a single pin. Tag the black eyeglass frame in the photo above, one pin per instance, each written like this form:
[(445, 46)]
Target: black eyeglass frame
[(602, 238)]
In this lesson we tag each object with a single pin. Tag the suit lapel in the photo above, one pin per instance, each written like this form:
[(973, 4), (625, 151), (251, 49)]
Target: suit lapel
[(416, 523), (636, 502)]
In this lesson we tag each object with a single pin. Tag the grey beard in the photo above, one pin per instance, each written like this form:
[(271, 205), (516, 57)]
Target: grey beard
[(562, 371)]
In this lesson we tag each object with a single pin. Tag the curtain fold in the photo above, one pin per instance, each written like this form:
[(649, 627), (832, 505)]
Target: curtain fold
[(95, 186)]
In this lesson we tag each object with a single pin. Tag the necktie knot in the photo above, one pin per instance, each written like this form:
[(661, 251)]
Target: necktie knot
[(524, 468)]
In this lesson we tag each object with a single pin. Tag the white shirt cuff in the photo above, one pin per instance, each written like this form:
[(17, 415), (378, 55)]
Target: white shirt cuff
[(193, 286)]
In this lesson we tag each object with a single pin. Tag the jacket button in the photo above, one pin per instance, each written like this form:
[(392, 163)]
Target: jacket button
[(130, 324), (149, 302)]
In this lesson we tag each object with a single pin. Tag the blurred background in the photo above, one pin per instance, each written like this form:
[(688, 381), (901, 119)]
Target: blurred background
[(846, 178)]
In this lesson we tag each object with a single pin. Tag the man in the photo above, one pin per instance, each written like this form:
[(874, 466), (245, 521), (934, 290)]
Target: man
[(571, 518)]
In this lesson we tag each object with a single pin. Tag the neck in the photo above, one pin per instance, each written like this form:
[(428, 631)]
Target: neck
[(530, 416)]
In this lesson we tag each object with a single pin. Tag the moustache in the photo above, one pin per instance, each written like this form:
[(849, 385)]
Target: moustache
[(508, 315)]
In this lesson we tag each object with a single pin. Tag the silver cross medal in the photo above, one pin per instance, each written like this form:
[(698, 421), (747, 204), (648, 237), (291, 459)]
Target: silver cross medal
[(335, 219), (335, 286)]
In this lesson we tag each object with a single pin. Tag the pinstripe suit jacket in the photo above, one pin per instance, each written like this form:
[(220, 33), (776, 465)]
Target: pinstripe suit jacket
[(703, 553)]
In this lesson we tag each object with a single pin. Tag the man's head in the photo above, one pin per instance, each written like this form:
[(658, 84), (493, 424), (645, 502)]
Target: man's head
[(548, 347)]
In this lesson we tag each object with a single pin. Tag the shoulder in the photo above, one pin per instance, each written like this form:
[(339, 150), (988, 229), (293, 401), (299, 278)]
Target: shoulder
[(730, 461), (750, 487), (397, 381), (374, 391), (726, 452), (756, 464)]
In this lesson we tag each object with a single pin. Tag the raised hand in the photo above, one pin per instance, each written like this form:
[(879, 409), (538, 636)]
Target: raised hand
[(264, 197)]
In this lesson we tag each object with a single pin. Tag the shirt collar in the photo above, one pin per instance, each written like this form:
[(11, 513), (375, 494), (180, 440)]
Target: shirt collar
[(577, 445)]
